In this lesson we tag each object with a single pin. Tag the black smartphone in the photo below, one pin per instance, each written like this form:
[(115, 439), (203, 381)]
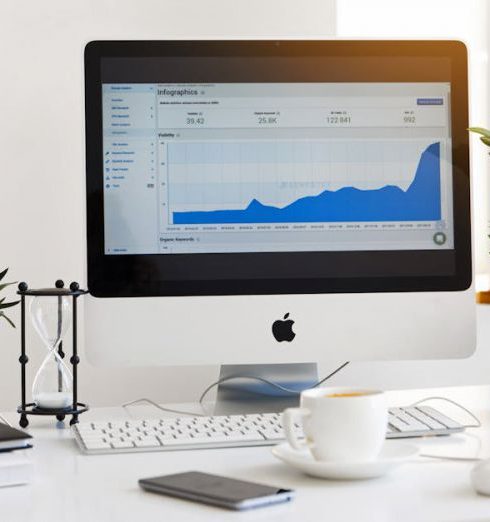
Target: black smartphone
[(216, 490)]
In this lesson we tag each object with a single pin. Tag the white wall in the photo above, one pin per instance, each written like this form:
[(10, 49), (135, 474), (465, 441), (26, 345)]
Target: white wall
[(42, 147)]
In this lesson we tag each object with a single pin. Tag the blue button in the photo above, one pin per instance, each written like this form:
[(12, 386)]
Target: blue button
[(430, 101)]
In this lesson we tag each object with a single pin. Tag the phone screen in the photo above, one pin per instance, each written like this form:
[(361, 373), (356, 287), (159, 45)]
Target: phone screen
[(218, 490)]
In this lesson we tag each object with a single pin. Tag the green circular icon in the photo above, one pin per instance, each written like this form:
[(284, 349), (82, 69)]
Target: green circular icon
[(439, 238)]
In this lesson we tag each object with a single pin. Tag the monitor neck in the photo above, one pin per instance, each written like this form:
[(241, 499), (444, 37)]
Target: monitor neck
[(244, 394)]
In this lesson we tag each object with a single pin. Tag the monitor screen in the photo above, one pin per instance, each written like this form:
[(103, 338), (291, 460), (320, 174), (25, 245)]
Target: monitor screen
[(276, 167)]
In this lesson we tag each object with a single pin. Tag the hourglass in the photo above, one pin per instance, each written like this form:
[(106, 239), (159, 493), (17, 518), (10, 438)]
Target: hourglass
[(54, 389), (51, 317)]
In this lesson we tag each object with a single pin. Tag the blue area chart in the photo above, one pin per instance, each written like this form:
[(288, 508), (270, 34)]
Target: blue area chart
[(420, 202)]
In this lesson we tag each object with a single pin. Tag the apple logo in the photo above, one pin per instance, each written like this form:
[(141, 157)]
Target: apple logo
[(282, 330)]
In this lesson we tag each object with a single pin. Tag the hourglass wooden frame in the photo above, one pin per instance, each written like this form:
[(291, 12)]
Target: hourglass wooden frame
[(76, 408)]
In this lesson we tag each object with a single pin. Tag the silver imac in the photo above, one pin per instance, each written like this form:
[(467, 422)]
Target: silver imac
[(259, 203)]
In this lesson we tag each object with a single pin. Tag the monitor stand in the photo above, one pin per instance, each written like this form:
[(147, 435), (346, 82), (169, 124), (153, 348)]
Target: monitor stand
[(245, 395)]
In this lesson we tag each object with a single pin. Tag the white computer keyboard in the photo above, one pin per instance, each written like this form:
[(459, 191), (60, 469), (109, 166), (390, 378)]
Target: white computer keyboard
[(178, 433)]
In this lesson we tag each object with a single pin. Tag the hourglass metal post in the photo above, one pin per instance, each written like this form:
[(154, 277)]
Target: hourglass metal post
[(23, 359), (54, 401), (74, 358)]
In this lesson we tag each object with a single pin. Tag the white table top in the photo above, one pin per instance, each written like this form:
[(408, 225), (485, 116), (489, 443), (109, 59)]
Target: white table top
[(70, 487)]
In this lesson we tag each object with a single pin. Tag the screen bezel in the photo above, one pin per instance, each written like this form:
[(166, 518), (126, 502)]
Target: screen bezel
[(179, 274)]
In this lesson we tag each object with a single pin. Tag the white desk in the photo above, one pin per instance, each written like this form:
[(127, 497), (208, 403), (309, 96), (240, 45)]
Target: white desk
[(70, 487)]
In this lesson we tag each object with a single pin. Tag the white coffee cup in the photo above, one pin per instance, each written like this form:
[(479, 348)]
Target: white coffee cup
[(340, 424)]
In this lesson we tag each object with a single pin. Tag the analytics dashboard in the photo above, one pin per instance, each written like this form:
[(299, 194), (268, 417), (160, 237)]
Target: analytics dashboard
[(276, 167)]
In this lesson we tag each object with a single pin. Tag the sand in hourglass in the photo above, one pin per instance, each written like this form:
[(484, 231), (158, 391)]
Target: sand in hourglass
[(53, 400)]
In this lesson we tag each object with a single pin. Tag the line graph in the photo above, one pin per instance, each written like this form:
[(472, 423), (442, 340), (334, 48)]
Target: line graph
[(397, 184)]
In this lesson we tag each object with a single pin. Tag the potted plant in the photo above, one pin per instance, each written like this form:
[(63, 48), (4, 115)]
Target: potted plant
[(3, 303)]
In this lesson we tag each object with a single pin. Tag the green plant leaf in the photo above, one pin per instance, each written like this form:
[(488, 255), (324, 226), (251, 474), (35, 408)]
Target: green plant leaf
[(7, 305), (4, 285), (485, 140), (3, 304), (480, 130), (7, 319)]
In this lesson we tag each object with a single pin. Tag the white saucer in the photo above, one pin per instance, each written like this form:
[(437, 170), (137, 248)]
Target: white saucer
[(392, 454)]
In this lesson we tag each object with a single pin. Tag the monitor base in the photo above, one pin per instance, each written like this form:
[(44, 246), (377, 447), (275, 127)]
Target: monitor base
[(247, 395)]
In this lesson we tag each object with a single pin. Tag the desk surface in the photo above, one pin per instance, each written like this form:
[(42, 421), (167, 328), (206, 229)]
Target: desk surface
[(71, 487)]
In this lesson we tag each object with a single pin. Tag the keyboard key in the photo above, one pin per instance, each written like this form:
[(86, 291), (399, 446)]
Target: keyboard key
[(201, 437), (180, 442), (412, 424), (168, 437), (122, 444), (147, 442), (219, 439), (272, 434), (96, 444), (439, 417), (245, 437), (428, 421), (403, 426)]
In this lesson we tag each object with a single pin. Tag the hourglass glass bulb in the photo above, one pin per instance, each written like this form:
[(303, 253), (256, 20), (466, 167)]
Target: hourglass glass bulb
[(52, 386), (51, 318)]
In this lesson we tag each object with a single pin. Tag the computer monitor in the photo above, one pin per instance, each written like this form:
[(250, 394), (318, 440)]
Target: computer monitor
[(265, 202)]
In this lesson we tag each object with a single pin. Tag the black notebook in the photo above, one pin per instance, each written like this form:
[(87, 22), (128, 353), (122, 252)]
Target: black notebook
[(12, 438)]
